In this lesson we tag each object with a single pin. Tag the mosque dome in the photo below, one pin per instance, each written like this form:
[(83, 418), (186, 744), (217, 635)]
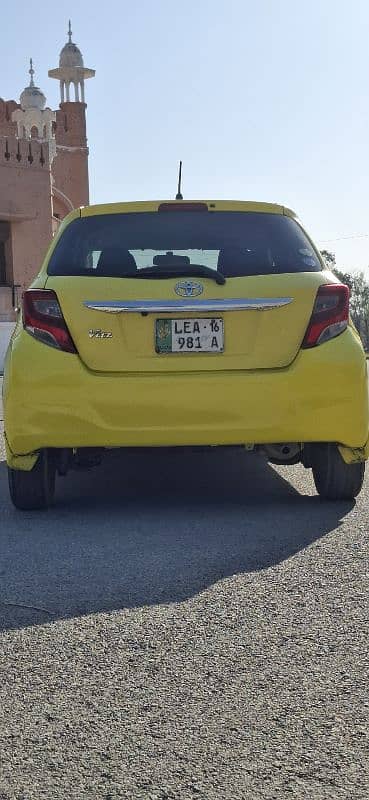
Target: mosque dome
[(32, 96), (70, 55)]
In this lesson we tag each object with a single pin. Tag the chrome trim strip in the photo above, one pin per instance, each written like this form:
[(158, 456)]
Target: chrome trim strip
[(175, 306)]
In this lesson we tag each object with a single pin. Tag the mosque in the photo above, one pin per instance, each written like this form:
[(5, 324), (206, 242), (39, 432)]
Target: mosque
[(43, 175)]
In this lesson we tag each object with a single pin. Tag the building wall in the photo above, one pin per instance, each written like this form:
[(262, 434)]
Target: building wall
[(37, 188), (25, 201), (7, 127), (32, 197), (70, 166)]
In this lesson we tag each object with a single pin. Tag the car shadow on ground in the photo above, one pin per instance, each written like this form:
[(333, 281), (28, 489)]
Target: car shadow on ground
[(152, 528)]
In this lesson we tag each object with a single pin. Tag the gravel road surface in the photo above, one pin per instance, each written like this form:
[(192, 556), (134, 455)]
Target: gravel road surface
[(184, 628)]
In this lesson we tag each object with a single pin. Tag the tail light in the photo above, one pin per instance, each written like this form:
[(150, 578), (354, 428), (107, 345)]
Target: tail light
[(330, 314), (43, 319)]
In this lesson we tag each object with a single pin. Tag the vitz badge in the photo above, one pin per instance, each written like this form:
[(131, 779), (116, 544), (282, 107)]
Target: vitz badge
[(99, 334)]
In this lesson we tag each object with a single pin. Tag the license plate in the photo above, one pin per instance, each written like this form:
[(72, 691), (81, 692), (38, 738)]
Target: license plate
[(201, 335)]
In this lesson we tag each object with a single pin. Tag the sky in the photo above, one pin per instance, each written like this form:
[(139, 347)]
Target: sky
[(265, 100)]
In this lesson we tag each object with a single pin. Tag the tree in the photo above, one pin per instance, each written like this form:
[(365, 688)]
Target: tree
[(329, 258)]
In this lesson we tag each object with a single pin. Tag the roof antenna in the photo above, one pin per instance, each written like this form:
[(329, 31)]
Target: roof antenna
[(179, 195)]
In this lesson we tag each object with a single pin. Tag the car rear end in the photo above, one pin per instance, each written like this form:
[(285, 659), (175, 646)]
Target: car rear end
[(171, 324)]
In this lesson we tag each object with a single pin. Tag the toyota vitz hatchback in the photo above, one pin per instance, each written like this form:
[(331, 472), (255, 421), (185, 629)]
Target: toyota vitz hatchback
[(184, 323)]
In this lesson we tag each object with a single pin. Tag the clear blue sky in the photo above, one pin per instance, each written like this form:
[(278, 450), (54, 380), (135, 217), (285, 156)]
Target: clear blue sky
[(265, 100)]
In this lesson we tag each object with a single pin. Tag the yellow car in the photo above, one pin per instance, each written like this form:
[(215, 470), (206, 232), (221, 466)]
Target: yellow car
[(184, 323)]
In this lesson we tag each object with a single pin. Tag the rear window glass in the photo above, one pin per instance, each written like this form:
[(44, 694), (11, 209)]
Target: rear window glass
[(235, 243)]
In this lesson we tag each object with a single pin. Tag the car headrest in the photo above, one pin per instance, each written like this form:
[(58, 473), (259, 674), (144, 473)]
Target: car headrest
[(115, 261), (235, 261)]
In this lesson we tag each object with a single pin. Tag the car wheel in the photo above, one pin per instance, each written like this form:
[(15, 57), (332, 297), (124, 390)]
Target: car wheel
[(334, 479), (34, 490)]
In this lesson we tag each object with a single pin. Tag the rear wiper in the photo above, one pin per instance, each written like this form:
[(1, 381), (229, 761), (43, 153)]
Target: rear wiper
[(197, 270)]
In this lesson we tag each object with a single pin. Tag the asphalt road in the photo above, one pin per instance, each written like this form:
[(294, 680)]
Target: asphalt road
[(184, 627)]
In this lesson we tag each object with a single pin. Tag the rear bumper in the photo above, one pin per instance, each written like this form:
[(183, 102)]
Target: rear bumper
[(52, 400)]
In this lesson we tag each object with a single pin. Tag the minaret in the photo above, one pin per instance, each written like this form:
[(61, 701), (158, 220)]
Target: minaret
[(71, 71), (70, 168), (26, 184), (32, 115)]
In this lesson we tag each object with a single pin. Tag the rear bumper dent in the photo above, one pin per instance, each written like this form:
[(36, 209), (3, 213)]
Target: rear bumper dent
[(353, 455), (322, 396)]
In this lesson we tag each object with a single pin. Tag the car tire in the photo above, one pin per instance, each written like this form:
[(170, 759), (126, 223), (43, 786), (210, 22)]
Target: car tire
[(333, 478), (34, 490)]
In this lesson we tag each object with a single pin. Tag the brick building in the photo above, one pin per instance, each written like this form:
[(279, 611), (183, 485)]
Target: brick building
[(43, 175)]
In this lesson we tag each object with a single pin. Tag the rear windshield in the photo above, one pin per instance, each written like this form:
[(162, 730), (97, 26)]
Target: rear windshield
[(234, 243)]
